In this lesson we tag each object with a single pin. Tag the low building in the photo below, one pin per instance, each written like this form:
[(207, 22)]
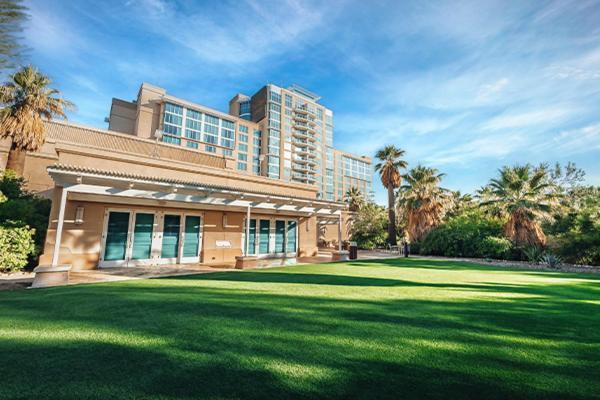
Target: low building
[(172, 182)]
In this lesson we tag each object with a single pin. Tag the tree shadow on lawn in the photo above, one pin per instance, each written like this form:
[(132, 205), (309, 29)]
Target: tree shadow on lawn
[(246, 344), (232, 342)]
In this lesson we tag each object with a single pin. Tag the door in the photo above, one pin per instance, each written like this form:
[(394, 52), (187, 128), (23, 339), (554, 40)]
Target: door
[(252, 239), (116, 239), (279, 236), (291, 237), (170, 240), (263, 246), (192, 237), (141, 244)]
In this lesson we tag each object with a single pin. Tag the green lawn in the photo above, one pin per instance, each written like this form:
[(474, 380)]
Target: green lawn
[(396, 329)]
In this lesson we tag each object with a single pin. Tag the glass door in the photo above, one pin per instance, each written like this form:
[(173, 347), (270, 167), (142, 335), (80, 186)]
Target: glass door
[(116, 239), (170, 240), (263, 246), (141, 246), (291, 237), (252, 239), (191, 239), (279, 236)]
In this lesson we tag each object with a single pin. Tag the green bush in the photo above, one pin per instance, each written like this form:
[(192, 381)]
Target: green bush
[(462, 235), (494, 247), (369, 227), (575, 235), (21, 208), (16, 244)]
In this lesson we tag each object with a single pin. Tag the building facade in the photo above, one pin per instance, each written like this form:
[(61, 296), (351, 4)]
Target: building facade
[(282, 134), (173, 182)]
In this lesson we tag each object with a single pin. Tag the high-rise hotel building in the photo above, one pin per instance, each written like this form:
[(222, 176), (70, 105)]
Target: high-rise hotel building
[(280, 133)]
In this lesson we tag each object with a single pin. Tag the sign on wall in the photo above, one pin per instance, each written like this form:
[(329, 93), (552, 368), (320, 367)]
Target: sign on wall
[(223, 244)]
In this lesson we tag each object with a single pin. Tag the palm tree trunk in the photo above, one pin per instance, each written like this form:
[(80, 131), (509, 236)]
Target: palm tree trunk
[(391, 216), (16, 161)]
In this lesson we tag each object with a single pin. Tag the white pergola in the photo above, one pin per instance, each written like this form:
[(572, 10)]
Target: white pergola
[(87, 184)]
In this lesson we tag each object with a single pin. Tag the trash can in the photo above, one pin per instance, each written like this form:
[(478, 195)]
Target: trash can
[(353, 250)]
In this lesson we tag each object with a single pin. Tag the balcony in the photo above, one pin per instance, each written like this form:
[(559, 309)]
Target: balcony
[(304, 136)]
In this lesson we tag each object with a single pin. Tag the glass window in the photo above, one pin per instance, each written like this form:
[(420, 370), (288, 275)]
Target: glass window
[(210, 149), (227, 152), (242, 157), (276, 97), (193, 114), (243, 128), (242, 166), (243, 147), (173, 108)]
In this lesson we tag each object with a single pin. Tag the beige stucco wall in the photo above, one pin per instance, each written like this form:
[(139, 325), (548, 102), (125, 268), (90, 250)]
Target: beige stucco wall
[(122, 116), (81, 244)]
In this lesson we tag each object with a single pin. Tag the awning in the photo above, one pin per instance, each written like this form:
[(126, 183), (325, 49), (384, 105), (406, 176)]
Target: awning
[(90, 184)]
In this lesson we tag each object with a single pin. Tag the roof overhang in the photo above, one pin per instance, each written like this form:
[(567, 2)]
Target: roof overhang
[(101, 186)]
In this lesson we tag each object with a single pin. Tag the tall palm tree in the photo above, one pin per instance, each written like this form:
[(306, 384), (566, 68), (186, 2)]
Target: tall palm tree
[(523, 194), (26, 101), (391, 162), (354, 198), (423, 201)]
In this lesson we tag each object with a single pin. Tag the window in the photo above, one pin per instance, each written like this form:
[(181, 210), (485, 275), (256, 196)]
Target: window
[(242, 166), (242, 157), (245, 110), (243, 138), (210, 149), (227, 152), (276, 97), (243, 128), (288, 101), (243, 147)]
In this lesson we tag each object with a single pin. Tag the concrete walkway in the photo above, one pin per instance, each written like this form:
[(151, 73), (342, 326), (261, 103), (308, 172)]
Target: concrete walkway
[(23, 280)]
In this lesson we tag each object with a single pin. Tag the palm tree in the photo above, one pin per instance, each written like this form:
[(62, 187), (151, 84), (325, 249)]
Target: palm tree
[(354, 198), (423, 201), (391, 162), (26, 101), (523, 194)]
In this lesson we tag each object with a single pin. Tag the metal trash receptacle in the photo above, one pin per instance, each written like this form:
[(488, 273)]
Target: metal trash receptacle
[(353, 250)]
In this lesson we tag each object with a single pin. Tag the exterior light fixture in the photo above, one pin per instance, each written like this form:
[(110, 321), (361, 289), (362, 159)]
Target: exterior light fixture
[(79, 216)]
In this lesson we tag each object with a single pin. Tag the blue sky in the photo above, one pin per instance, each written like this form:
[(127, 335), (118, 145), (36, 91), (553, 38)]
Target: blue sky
[(464, 87)]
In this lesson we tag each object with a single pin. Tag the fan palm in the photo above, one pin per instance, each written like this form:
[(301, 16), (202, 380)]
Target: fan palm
[(423, 201), (354, 198), (391, 162), (26, 101), (524, 195)]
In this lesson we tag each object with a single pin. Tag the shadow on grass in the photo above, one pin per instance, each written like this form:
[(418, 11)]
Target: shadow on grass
[(186, 337)]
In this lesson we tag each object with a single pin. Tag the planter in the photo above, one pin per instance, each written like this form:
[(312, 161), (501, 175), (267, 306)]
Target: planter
[(46, 276)]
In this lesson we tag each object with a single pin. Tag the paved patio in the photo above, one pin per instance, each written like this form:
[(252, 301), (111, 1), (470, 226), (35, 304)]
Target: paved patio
[(24, 279)]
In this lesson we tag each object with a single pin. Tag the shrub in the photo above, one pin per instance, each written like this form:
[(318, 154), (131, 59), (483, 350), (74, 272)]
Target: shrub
[(533, 253), (494, 247), (369, 227), (551, 260), (23, 208), (16, 244), (462, 235)]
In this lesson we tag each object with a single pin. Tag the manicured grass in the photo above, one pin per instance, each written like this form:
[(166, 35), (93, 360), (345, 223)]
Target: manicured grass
[(397, 329)]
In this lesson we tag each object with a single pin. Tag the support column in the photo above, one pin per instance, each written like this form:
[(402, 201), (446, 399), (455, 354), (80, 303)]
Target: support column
[(340, 232), (340, 255), (59, 226), (247, 244)]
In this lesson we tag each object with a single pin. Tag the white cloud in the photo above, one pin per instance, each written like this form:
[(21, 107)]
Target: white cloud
[(572, 141), (246, 33), (524, 119), (489, 90)]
